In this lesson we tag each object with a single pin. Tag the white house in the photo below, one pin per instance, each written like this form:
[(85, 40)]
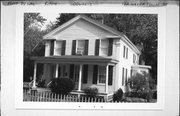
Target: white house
[(90, 53)]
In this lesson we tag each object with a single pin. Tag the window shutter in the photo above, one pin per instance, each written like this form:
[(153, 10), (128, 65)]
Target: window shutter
[(126, 77), (52, 48), (63, 47), (122, 76), (126, 53), (71, 75), (85, 73), (97, 47), (74, 47), (95, 74), (110, 48), (86, 47), (110, 76)]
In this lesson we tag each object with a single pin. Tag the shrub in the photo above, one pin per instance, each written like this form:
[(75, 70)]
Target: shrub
[(62, 85), (118, 95), (91, 91), (41, 83)]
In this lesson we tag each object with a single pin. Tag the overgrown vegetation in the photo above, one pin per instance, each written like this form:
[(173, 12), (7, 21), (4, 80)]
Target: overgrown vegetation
[(62, 85), (91, 91), (118, 96), (142, 86)]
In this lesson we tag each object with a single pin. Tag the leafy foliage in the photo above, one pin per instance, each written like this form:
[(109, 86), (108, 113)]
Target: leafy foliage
[(62, 85), (118, 96), (33, 45), (91, 92), (141, 85)]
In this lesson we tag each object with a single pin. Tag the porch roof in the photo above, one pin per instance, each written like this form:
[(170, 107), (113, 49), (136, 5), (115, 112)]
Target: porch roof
[(86, 59)]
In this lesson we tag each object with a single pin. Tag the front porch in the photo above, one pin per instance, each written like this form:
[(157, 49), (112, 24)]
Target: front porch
[(85, 71)]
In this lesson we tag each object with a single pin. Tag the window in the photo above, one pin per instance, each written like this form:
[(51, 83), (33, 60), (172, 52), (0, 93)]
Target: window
[(134, 58), (58, 48), (104, 47), (125, 52), (80, 47), (102, 74)]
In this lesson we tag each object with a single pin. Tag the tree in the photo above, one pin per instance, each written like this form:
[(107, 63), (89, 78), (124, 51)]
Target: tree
[(33, 45)]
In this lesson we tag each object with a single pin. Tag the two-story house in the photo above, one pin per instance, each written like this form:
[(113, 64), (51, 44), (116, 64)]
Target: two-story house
[(90, 53)]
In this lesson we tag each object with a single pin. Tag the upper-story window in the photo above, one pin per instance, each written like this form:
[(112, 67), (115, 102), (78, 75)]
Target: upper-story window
[(134, 58), (125, 52), (59, 47), (80, 47), (104, 47)]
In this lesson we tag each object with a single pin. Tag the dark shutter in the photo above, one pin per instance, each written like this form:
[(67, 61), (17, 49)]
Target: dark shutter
[(110, 76), (122, 76), (85, 73), (126, 53), (95, 74), (52, 47), (126, 78), (63, 47), (97, 47), (74, 47), (110, 47), (71, 75), (86, 47)]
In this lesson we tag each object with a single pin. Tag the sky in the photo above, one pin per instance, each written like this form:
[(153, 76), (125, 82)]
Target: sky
[(50, 16)]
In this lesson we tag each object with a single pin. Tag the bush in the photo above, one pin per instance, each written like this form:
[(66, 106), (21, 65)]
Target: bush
[(91, 92), (62, 85), (41, 83), (118, 96), (145, 94)]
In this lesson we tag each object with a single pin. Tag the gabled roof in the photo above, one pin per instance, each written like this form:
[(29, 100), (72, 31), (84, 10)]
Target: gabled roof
[(105, 27)]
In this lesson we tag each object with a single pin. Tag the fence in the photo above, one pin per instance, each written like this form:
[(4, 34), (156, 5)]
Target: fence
[(35, 96)]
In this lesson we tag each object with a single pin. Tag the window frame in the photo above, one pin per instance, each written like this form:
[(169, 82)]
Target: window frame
[(98, 76), (55, 47), (77, 41), (125, 52), (100, 47)]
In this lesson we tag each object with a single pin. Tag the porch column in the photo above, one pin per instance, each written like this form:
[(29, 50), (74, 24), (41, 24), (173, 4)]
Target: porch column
[(56, 74), (34, 77), (107, 74), (80, 77)]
